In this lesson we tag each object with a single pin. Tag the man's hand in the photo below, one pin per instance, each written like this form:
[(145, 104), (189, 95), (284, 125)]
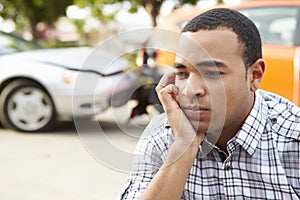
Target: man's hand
[(185, 135), (169, 181)]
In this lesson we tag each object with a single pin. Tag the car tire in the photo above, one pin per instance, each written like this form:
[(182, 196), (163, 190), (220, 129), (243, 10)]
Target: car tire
[(26, 107)]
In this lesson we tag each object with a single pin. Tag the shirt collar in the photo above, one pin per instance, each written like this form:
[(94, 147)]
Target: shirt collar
[(250, 133), (283, 115)]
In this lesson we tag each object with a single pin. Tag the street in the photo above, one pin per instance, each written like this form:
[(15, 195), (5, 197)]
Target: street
[(61, 164)]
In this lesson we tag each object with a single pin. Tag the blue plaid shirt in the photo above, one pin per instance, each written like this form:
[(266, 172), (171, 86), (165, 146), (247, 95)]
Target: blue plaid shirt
[(263, 160)]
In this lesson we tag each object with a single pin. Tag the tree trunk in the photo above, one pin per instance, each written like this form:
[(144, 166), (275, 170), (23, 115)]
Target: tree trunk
[(152, 7), (34, 32), (29, 11)]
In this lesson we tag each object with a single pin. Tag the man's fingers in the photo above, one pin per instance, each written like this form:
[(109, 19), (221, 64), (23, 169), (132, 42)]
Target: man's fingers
[(167, 97), (166, 80), (170, 89)]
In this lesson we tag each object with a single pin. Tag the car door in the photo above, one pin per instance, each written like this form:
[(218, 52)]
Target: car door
[(278, 28)]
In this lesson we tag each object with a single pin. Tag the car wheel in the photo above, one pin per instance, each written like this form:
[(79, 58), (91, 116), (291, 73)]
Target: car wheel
[(27, 107)]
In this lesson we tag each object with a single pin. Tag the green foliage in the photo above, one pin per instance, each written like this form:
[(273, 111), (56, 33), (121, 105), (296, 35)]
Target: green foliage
[(31, 12), (40, 10), (151, 6), (24, 12), (96, 7)]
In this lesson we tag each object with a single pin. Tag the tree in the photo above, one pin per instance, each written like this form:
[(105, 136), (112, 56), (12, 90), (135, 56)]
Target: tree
[(31, 12), (152, 7)]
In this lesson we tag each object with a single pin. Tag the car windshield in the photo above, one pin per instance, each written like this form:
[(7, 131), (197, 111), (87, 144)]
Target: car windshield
[(10, 43), (277, 25), (270, 22)]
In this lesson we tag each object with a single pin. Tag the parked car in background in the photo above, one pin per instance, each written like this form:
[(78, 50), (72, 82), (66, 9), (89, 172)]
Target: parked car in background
[(279, 25), (39, 87)]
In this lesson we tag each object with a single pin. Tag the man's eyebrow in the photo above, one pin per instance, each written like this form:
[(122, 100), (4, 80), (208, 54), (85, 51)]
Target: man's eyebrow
[(210, 63), (178, 65)]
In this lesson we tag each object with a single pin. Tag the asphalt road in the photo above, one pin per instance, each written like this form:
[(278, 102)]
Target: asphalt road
[(71, 162)]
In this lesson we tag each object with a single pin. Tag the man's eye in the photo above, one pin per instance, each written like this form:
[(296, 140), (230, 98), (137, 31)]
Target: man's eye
[(213, 73), (181, 75)]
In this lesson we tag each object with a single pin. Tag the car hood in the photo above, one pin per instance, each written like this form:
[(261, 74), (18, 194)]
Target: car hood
[(78, 58)]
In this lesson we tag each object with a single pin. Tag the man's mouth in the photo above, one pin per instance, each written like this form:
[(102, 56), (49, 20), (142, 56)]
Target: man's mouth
[(194, 112)]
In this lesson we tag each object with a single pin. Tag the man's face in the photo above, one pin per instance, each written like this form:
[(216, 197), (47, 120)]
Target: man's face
[(214, 91)]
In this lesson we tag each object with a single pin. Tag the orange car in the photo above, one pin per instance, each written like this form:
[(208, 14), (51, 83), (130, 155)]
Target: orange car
[(279, 25)]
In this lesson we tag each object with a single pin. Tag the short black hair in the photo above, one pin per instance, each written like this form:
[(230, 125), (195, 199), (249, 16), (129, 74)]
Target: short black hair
[(246, 31)]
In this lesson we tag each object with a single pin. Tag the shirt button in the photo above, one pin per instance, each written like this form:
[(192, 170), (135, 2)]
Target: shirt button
[(274, 120), (227, 167)]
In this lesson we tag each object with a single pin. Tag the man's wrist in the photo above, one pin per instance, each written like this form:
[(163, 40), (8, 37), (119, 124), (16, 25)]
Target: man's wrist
[(182, 151)]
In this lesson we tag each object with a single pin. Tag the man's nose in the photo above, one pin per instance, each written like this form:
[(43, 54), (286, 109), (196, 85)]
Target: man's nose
[(195, 86)]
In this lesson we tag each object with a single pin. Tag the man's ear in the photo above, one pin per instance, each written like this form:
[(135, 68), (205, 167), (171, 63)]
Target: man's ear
[(256, 72)]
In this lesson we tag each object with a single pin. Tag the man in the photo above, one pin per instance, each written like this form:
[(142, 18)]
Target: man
[(222, 138)]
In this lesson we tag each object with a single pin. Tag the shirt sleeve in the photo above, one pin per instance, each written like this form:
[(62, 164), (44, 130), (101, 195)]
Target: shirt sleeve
[(149, 156)]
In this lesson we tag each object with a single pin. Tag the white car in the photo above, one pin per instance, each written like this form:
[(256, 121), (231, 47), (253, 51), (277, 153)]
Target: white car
[(39, 87)]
